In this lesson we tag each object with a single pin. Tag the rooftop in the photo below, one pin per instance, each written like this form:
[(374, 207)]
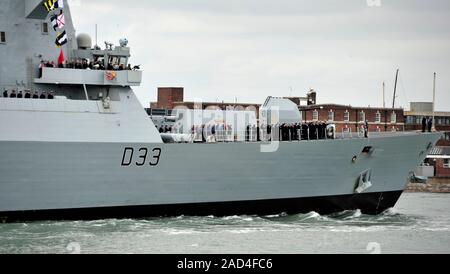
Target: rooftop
[(440, 151), (345, 106)]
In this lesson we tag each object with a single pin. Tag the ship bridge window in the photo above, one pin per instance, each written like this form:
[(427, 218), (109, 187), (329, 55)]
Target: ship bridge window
[(44, 28), (117, 62), (2, 37)]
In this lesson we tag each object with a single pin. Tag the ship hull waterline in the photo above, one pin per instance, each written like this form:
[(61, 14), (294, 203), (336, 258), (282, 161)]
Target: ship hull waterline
[(368, 203)]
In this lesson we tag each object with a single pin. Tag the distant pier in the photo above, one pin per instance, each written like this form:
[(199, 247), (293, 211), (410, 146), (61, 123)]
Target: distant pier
[(433, 185)]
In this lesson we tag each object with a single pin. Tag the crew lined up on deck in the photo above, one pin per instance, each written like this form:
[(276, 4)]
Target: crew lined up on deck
[(85, 64), (254, 133), (28, 95), (213, 132), (298, 131)]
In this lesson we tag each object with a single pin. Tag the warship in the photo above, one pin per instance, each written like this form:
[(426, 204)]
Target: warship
[(86, 149)]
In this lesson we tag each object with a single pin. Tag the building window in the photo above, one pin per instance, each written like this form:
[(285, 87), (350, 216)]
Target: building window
[(362, 116), (44, 28), (447, 136), (2, 37), (446, 163), (315, 115), (346, 116), (393, 118), (378, 118), (331, 116), (418, 120)]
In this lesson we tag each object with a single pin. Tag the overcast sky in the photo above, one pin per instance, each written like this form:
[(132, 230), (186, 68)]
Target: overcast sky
[(220, 50)]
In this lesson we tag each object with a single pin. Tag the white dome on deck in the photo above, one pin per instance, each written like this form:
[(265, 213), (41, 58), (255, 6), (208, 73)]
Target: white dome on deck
[(84, 41)]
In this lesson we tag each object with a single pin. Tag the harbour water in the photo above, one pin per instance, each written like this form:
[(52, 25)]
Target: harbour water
[(420, 223)]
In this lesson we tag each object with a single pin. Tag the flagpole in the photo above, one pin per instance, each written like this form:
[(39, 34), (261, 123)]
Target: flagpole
[(434, 102)]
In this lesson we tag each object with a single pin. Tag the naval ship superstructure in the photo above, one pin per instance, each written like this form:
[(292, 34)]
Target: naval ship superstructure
[(92, 152)]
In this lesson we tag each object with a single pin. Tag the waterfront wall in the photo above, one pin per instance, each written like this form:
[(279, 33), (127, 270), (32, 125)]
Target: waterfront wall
[(434, 185)]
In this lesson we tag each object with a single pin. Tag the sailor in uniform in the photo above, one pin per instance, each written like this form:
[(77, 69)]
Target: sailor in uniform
[(366, 129), (424, 124), (430, 124)]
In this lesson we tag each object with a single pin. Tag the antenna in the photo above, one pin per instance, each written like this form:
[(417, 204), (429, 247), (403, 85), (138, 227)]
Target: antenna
[(96, 36), (395, 89), (434, 101)]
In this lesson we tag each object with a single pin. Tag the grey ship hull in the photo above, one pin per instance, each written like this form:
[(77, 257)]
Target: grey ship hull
[(64, 158), (48, 180)]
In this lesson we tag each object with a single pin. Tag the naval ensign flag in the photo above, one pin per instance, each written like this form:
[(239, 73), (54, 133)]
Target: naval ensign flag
[(61, 57)]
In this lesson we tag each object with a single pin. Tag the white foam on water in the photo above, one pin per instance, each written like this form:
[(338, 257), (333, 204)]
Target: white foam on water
[(311, 215), (180, 232), (390, 212), (356, 214)]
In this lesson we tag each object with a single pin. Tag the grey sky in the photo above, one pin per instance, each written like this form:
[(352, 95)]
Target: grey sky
[(251, 49)]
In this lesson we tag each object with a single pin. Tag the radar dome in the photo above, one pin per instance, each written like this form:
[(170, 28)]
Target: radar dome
[(84, 41), (123, 42)]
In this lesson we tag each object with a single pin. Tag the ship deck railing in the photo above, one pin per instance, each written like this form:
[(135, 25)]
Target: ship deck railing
[(227, 136), (66, 76), (242, 137)]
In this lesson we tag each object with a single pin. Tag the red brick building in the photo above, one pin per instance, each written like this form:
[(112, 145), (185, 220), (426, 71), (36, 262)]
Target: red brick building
[(167, 98), (345, 117), (352, 118), (440, 159)]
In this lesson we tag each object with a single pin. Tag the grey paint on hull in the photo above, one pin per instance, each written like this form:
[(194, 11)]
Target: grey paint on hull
[(47, 175)]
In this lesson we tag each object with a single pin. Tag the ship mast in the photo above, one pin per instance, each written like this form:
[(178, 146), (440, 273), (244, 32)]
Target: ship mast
[(395, 89), (434, 101)]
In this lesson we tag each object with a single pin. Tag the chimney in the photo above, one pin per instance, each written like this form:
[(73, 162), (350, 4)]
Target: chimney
[(168, 96)]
